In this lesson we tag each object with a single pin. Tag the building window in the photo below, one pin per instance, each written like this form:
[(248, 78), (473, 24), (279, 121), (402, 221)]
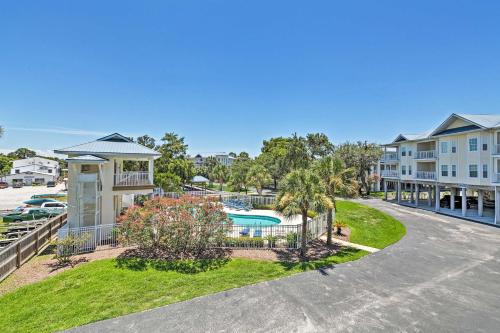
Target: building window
[(453, 170), (409, 152), (485, 146), (409, 170), (444, 170), (403, 169), (473, 144), (49, 171), (485, 170), (473, 170), (17, 170), (444, 147), (403, 151), (453, 147)]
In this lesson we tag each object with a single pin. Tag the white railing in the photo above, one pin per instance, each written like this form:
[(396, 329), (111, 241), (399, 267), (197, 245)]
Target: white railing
[(431, 175), (389, 157), (390, 173), (133, 178), (496, 150), (496, 178), (92, 237), (425, 154)]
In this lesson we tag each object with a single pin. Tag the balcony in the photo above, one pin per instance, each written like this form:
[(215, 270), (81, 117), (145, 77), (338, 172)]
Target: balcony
[(425, 155), (126, 180), (389, 157), (426, 175), (390, 173)]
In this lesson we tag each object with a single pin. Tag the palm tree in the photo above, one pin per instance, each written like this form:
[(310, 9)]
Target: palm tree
[(220, 173), (258, 177), (302, 190), (337, 180)]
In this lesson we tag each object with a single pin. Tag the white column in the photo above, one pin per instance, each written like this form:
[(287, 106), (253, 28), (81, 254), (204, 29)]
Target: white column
[(437, 198), (399, 191), (385, 189), (150, 169), (480, 195), (464, 201), (452, 198), (429, 196), (417, 194)]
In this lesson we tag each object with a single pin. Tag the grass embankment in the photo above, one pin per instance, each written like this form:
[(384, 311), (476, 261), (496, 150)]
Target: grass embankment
[(109, 288), (369, 226)]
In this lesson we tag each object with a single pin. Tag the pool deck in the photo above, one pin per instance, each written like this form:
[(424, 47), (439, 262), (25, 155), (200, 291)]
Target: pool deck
[(297, 219)]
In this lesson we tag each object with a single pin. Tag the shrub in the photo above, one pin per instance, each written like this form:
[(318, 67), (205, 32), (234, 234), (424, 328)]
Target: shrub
[(179, 228), (339, 225), (292, 239), (68, 246), (264, 207)]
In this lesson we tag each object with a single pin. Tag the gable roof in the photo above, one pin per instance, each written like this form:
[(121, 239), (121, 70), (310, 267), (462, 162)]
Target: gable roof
[(86, 158), (411, 137), (475, 121), (114, 145)]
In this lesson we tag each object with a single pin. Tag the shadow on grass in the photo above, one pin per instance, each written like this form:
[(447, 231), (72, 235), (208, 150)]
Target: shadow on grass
[(140, 261)]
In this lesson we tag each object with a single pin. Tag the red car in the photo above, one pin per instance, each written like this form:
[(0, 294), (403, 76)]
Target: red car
[(3, 185)]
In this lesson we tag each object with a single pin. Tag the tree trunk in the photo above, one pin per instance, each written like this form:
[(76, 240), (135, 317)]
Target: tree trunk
[(329, 226), (275, 183), (303, 240)]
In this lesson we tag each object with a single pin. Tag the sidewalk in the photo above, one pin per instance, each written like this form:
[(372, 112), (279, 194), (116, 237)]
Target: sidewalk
[(353, 245)]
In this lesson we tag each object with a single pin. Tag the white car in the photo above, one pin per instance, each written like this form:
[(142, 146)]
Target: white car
[(55, 207)]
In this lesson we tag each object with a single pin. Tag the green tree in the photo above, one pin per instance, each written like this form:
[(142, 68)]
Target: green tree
[(22, 153), (273, 157), (1, 131), (259, 177), (172, 169), (297, 155), (338, 181), (300, 191), (244, 154), (147, 141), (239, 170), (5, 164), (220, 174), (318, 145)]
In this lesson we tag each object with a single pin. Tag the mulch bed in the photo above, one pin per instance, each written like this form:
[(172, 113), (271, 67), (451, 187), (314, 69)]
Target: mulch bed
[(345, 234)]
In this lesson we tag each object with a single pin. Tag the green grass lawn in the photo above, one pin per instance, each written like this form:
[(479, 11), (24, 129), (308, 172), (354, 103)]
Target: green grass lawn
[(369, 226), (105, 289)]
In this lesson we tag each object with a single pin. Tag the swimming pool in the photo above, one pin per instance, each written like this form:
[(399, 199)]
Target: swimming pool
[(250, 220)]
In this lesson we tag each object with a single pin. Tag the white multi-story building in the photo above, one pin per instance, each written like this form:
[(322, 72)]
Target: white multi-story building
[(98, 185), (223, 158), (34, 170), (456, 165)]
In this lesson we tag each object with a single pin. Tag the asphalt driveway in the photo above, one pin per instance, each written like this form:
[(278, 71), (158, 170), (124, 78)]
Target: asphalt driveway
[(443, 276)]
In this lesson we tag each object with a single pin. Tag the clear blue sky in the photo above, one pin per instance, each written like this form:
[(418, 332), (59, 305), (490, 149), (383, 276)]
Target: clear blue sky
[(228, 74)]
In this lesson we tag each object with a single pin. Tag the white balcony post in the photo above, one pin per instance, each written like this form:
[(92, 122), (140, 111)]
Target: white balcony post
[(438, 198), (480, 202), (417, 194), (464, 201), (150, 170), (452, 198)]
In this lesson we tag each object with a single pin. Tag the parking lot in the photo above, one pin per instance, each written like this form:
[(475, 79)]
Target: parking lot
[(11, 198)]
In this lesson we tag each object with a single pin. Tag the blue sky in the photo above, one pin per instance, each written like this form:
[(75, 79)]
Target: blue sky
[(228, 74)]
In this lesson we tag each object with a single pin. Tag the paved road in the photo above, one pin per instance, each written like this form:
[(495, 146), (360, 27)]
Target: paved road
[(11, 198), (443, 276)]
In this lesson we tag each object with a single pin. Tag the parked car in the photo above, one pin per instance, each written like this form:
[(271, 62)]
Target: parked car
[(29, 214), (38, 202), (51, 183), (445, 201), (55, 207), (17, 185), (4, 185)]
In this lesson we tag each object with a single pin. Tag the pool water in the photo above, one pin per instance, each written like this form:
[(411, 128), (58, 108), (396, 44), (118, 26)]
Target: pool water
[(251, 220)]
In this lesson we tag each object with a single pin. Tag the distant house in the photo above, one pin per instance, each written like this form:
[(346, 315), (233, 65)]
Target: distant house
[(223, 158), (34, 170), (98, 185)]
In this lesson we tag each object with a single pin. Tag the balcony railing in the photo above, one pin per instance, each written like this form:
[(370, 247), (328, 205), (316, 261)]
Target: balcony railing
[(390, 173), (387, 157), (429, 175), (425, 154), (496, 150), (133, 178), (496, 178)]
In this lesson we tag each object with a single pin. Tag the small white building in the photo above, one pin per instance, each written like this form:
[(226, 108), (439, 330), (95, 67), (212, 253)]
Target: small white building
[(223, 158), (98, 185), (34, 170)]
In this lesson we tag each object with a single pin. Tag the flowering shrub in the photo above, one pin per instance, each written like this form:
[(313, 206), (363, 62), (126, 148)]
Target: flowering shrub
[(178, 228)]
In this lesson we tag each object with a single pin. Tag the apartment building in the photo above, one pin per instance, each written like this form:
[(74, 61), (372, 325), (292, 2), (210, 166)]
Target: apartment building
[(223, 158), (453, 168), (34, 170)]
